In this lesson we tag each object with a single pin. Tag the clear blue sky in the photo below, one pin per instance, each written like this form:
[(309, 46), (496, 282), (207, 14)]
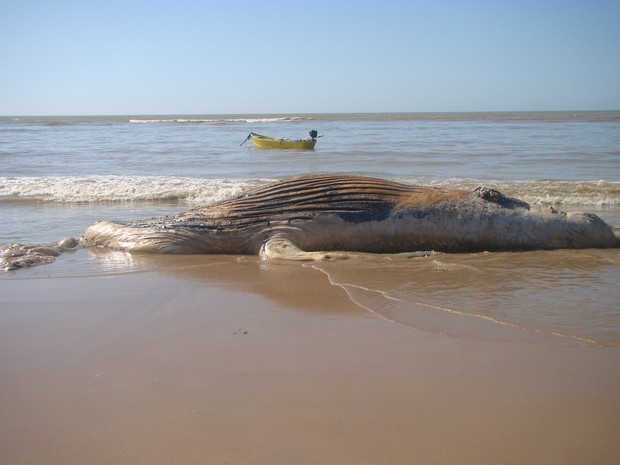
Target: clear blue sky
[(235, 56)]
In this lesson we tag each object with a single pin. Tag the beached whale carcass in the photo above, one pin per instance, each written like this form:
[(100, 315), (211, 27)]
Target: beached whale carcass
[(305, 217), (331, 216)]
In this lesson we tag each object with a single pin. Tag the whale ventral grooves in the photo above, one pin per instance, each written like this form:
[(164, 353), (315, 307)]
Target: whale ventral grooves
[(353, 198)]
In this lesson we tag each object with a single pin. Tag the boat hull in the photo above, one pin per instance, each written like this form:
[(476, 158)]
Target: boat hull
[(266, 142)]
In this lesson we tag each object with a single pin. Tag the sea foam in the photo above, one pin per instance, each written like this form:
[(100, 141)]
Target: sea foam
[(102, 189)]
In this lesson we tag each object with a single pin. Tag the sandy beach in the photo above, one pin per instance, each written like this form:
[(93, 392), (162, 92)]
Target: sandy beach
[(232, 362)]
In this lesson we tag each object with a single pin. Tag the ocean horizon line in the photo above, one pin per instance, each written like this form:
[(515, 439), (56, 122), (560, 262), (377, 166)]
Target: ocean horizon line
[(336, 113)]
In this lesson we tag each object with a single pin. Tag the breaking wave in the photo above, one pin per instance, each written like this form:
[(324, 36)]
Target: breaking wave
[(103, 189), (106, 189), (546, 192)]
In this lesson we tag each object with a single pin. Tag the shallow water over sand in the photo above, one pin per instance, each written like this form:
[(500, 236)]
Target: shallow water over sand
[(561, 294)]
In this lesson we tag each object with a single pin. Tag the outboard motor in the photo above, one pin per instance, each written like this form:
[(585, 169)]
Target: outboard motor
[(314, 134)]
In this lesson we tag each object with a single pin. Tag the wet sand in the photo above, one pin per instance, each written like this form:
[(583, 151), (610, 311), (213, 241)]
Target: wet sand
[(226, 364)]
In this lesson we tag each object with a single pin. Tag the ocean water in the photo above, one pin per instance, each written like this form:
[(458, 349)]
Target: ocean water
[(58, 175)]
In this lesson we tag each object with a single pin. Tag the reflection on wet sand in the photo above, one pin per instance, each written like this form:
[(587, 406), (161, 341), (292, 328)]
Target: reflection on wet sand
[(552, 297), (289, 284)]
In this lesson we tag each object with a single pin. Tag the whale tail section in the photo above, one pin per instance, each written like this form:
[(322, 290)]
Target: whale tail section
[(18, 255)]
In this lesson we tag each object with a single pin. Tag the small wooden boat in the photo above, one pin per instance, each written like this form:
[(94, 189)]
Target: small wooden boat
[(267, 142)]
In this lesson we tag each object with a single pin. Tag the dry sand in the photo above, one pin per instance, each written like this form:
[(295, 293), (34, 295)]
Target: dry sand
[(232, 363)]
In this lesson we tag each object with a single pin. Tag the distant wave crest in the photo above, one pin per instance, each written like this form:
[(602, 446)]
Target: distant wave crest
[(220, 120)]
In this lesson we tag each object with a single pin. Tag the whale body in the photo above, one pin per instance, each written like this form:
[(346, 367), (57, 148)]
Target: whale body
[(306, 216), (332, 216)]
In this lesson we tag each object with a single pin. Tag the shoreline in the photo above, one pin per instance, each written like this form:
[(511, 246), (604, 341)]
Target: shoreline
[(272, 364)]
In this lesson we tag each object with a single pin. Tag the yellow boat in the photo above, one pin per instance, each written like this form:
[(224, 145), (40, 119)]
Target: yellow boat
[(267, 142)]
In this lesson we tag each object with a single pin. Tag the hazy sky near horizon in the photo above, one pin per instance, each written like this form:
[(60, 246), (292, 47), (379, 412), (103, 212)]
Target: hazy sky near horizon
[(237, 56)]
